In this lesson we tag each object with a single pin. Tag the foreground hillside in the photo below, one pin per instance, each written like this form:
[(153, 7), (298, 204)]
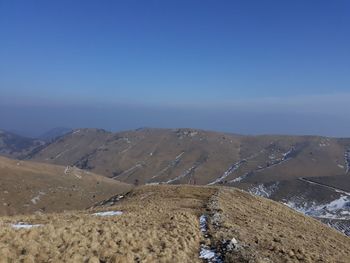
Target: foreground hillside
[(174, 224), (27, 187)]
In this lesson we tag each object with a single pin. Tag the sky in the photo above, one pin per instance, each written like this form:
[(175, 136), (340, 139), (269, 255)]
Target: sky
[(252, 67)]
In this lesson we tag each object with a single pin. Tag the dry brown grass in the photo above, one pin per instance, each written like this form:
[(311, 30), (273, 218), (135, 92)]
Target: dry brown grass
[(27, 187), (160, 224), (271, 232), (142, 154)]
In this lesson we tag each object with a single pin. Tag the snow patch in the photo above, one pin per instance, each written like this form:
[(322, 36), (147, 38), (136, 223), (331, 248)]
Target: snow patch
[(347, 160), (207, 253), (184, 174), (229, 171), (336, 209), (264, 191), (136, 166), (341, 203), (324, 143), (154, 183), (173, 163), (239, 179), (108, 213), (36, 199), (21, 225), (203, 223), (193, 133), (288, 154), (77, 175)]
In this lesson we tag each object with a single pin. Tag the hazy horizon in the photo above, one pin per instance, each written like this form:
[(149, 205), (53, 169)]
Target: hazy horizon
[(312, 116), (247, 67)]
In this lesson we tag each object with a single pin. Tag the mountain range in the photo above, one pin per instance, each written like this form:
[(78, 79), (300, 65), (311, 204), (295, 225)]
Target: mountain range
[(308, 173)]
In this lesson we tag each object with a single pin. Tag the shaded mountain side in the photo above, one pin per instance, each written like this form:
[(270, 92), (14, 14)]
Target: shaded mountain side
[(16, 146), (175, 224), (341, 182), (315, 197), (27, 187)]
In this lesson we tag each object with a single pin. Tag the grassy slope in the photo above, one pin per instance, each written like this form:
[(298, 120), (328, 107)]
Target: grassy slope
[(149, 155), (26, 187), (271, 232), (160, 224)]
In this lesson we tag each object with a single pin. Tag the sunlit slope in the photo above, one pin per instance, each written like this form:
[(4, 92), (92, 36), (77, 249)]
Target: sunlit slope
[(27, 187), (162, 224), (190, 156)]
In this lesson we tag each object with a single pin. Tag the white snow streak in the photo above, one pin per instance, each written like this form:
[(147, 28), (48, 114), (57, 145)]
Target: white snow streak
[(347, 160), (36, 199), (184, 174), (172, 164), (22, 225), (206, 253), (229, 171), (108, 213), (287, 154), (263, 191), (238, 179), (336, 209), (203, 223)]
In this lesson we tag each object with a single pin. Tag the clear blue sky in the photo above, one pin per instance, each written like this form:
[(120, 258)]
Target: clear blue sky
[(233, 56)]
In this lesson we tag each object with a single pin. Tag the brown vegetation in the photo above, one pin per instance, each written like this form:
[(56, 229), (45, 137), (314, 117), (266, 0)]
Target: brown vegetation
[(27, 187), (267, 231), (160, 224), (202, 157)]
